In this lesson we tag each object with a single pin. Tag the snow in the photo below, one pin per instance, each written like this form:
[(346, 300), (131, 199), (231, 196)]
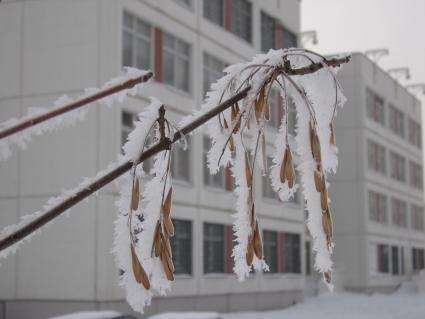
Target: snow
[(90, 315), (317, 97), (403, 304), (149, 212), (22, 138), (186, 315)]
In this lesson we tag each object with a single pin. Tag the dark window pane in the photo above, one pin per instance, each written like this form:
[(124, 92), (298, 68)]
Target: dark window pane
[(213, 248), (268, 32), (242, 19), (395, 260), (181, 245), (289, 39), (270, 250), (383, 258), (213, 11), (292, 253)]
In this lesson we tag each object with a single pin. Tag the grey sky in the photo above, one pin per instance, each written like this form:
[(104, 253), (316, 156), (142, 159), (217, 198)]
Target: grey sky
[(359, 25)]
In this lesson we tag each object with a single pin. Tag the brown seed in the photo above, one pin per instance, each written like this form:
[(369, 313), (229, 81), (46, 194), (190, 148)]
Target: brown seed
[(248, 173), (135, 195), (156, 245), (318, 181), (167, 248), (289, 170), (324, 197), (231, 144), (226, 126), (258, 244), (250, 251), (167, 265), (168, 226), (283, 166), (332, 137), (315, 145), (166, 206), (237, 108), (327, 226), (328, 276), (138, 271), (259, 105), (267, 111)]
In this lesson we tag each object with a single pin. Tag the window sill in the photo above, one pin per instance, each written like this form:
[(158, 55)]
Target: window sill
[(176, 90), (181, 182), (217, 275), (184, 276), (216, 190)]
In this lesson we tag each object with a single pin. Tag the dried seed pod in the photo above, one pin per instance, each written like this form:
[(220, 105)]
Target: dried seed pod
[(166, 205), (283, 166), (138, 271), (248, 173), (332, 136), (327, 226), (324, 196), (289, 169), (327, 276), (135, 195), (258, 243), (267, 111), (226, 126), (318, 181), (231, 144), (237, 108), (168, 226), (259, 105), (250, 251), (315, 145), (167, 265), (156, 244)]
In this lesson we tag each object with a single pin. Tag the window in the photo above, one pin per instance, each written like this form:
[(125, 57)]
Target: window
[(127, 125), (213, 70), (417, 259), (394, 260), (397, 167), (289, 39), (270, 250), (415, 133), (416, 178), (268, 32), (402, 259), (175, 61), (214, 11), (376, 157), (308, 265), (181, 162), (213, 248), (417, 217), (383, 258), (186, 3), (242, 19), (396, 119), (292, 257), (219, 179), (181, 245), (136, 42), (399, 212), (375, 107), (377, 207), (268, 191)]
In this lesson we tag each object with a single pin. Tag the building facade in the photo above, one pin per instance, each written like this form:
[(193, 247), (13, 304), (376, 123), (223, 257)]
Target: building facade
[(377, 193), (61, 47)]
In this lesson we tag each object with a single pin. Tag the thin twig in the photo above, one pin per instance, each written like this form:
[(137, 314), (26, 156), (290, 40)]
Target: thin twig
[(74, 105)]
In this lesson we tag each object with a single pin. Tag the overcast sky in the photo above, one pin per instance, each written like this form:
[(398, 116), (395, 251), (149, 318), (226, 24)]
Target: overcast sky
[(359, 25)]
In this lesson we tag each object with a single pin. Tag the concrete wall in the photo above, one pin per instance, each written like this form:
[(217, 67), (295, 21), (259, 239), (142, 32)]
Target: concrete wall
[(354, 232)]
